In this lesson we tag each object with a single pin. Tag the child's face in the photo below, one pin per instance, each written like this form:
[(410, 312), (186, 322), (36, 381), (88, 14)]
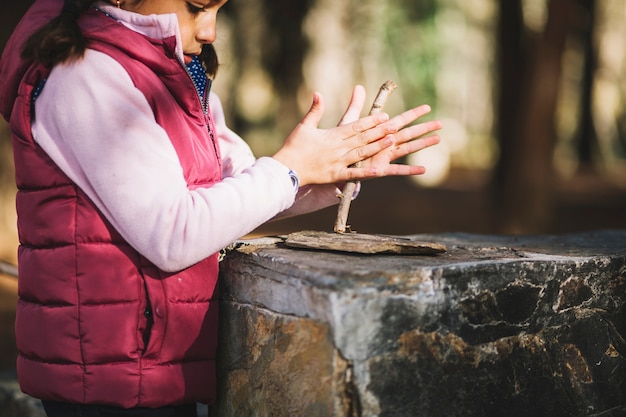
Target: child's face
[(196, 18)]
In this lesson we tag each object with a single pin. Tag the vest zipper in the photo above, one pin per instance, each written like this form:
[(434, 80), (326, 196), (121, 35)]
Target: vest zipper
[(204, 103)]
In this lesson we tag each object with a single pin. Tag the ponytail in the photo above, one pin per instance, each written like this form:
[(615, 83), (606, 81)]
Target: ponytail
[(61, 39)]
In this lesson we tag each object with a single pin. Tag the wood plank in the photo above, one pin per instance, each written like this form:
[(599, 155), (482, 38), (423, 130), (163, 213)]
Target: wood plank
[(362, 243)]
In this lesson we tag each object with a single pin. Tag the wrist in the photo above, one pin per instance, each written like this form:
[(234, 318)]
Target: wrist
[(293, 171)]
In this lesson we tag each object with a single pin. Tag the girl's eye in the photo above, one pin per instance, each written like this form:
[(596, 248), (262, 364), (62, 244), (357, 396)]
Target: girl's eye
[(194, 9)]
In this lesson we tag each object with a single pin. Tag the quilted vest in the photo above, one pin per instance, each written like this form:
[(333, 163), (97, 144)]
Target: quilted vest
[(96, 321)]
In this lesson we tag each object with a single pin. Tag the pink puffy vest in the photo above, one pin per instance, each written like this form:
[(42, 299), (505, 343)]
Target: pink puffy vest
[(96, 321)]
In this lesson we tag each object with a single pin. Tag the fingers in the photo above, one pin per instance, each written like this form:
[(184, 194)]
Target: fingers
[(361, 153), (387, 171), (410, 116), (367, 123), (357, 101), (390, 145), (352, 113), (316, 111), (381, 153), (404, 140), (384, 169), (374, 134), (398, 151), (415, 131), (368, 130), (373, 142)]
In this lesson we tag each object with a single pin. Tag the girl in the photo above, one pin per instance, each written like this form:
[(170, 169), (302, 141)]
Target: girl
[(129, 183)]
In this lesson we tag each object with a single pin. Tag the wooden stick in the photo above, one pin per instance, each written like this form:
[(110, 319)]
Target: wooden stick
[(350, 187)]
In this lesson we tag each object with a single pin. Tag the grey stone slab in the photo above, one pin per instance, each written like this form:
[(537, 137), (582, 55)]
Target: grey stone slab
[(497, 325)]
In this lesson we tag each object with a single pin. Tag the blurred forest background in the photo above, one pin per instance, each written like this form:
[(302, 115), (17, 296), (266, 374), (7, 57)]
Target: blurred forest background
[(531, 93)]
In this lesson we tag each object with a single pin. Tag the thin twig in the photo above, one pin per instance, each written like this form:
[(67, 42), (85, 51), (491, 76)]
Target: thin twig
[(350, 187)]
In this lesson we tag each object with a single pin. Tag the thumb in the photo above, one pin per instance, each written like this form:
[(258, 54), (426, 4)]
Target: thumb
[(316, 111), (353, 112)]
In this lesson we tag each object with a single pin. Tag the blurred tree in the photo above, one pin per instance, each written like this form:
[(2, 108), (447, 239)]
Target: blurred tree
[(529, 71), (264, 49), (285, 54), (583, 29), (412, 39)]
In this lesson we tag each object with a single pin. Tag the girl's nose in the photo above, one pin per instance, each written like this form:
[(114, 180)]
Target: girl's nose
[(206, 30)]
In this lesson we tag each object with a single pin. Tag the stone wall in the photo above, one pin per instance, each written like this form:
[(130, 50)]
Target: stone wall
[(497, 326)]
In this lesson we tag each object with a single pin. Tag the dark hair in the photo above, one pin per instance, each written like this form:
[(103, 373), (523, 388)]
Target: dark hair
[(60, 39), (209, 60)]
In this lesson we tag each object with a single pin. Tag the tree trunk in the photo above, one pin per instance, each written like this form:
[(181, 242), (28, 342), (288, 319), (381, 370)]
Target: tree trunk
[(586, 137), (285, 56), (525, 183)]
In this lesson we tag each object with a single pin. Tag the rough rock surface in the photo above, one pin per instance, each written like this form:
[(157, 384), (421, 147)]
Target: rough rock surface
[(496, 326), (13, 402)]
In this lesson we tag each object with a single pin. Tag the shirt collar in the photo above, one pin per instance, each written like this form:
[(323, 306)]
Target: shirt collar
[(156, 26)]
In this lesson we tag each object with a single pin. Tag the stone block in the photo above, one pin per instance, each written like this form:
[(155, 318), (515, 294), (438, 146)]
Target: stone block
[(496, 326)]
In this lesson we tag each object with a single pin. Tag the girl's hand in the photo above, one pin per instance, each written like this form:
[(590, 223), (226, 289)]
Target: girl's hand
[(321, 156), (406, 141)]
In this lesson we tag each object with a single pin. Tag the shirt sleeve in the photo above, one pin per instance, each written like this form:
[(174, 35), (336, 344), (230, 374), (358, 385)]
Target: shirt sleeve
[(99, 129), (236, 153), (237, 156)]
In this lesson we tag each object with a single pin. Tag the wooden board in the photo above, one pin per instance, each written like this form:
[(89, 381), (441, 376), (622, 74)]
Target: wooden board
[(362, 243)]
